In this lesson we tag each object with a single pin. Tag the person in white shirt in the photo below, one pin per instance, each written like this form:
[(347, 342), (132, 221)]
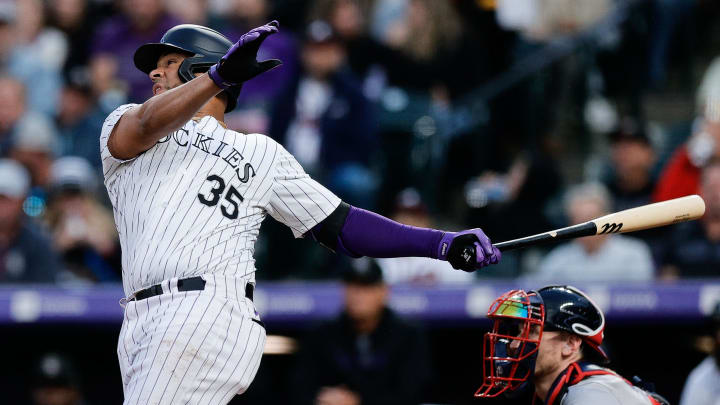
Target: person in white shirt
[(703, 384), (595, 258)]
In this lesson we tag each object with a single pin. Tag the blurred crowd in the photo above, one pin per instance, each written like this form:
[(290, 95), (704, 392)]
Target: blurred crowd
[(516, 116)]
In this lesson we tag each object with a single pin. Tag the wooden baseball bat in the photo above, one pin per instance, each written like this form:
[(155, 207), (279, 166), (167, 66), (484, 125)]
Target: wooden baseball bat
[(634, 219)]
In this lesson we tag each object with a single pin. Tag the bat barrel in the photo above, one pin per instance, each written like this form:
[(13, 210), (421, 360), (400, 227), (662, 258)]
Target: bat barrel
[(634, 219)]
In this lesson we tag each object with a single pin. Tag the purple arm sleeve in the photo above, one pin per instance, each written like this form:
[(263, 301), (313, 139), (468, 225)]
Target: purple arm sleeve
[(368, 234)]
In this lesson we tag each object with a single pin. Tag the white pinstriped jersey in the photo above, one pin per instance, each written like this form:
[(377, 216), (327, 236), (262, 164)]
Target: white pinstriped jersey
[(193, 203)]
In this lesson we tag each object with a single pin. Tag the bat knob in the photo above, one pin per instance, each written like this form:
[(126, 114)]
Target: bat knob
[(468, 255)]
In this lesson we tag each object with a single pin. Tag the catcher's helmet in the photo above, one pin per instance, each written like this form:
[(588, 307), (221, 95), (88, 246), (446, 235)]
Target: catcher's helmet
[(569, 309), (519, 320), (204, 46)]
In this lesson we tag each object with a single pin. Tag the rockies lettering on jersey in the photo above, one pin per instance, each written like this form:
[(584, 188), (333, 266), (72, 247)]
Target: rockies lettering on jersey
[(193, 203)]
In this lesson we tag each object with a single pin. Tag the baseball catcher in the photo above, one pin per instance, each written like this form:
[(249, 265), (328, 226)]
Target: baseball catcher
[(550, 339)]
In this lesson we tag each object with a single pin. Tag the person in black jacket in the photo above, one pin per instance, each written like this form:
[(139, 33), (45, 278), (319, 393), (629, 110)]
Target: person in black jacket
[(368, 355), (326, 122)]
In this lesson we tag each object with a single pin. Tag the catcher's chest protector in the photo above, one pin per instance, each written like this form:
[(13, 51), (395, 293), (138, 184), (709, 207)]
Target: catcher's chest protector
[(577, 372)]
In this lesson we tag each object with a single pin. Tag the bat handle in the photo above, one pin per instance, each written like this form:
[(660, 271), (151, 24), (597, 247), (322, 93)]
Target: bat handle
[(575, 231)]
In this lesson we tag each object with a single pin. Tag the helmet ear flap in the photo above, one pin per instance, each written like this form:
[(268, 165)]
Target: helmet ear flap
[(192, 65)]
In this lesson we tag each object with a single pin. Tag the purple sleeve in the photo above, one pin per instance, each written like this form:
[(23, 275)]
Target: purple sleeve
[(368, 234)]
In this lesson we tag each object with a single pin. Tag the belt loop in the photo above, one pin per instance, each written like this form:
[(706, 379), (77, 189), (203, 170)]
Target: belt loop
[(173, 285)]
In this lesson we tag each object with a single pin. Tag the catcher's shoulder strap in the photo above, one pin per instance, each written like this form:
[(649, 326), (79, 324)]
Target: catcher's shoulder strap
[(579, 371)]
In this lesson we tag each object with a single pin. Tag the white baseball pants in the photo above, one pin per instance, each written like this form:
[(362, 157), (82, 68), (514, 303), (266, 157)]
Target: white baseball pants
[(194, 347)]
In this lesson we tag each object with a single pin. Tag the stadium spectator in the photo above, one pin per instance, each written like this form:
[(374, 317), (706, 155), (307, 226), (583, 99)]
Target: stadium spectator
[(410, 210), (595, 258), (79, 120), (702, 386), (191, 12), (681, 174), (12, 108), (631, 181), (83, 230), (631, 178), (513, 203), (668, 18), (693, 248), (38, 57), (78, 20), (425, 48), (8, 11), (115, 42), (255, 102), (35, 144), (324, 120), (56, 382), (26, 254), (543, 20), (368, 355)]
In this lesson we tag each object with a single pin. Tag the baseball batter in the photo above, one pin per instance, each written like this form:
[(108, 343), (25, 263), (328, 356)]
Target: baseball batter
[(189, 196), (551, 338)]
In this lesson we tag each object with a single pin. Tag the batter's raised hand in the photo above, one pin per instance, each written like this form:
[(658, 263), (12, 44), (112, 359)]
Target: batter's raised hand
[(240, 62), (468, 250)]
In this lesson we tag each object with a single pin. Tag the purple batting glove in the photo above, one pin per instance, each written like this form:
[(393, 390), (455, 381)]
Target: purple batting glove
[(468, 250), (239, 63)]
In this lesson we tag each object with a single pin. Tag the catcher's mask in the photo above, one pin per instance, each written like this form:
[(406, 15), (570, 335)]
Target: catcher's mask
[(519, 319), (510, 349)]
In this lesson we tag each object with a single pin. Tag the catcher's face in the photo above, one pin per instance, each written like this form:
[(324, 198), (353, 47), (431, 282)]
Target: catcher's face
[(511, 348), (165, 76), (556, 351)]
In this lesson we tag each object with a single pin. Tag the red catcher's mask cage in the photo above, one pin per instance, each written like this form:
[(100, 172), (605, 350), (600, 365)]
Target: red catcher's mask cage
[(510, 349)]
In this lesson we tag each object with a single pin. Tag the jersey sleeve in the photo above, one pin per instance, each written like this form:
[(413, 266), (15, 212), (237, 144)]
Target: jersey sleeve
[(110, 163), (296, 199)]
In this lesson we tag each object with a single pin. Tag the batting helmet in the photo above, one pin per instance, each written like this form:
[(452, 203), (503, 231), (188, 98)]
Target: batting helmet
[(204, 47)]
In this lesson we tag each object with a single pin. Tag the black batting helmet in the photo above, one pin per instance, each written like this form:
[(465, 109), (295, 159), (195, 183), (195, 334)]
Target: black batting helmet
[(570, 310), (204, 46)]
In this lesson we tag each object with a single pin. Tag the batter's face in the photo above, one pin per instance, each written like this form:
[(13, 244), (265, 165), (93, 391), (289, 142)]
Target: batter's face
[(165, 76)]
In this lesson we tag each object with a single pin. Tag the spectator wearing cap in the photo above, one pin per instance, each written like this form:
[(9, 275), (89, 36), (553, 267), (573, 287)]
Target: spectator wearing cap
[(410, 210), (326, 122), (26, 254), (83, 230), (631, 181), (631, 178), (56, 382), (600, 257), (35, 145), (79, 121), (368, 355), (702, 386), (693, 249)]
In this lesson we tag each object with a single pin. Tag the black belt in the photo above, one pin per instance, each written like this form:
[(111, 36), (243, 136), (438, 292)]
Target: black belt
[(185, 284)]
